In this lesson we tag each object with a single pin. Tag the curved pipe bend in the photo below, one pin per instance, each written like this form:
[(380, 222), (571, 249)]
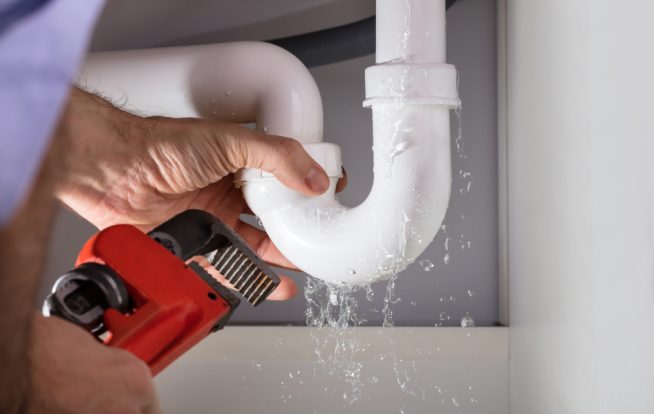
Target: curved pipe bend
[(239, 82), (396, 222)]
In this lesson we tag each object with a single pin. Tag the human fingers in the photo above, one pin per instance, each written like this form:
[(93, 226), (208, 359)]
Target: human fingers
[(283, 157), (259, 241)]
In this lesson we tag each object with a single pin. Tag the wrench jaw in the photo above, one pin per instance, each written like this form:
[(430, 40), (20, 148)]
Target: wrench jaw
[(221, 291), (198, 233)]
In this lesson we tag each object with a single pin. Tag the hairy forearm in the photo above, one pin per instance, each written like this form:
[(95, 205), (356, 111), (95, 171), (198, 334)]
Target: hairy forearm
[(22, 248), (104, 145)]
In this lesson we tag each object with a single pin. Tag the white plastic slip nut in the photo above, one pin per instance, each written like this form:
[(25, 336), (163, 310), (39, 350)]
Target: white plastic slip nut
[(326, 154)]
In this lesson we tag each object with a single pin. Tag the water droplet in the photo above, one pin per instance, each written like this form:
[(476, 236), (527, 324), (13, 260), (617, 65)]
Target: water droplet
[(467, 321), (446, 258), (471, 293), (413, 303), (352, 271), (333, 299), (426, 264), (265, 129), (227, 93), (455, 402), (370, 295)]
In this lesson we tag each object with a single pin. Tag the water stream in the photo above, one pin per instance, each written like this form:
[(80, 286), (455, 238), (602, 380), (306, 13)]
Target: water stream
[(336, 307)]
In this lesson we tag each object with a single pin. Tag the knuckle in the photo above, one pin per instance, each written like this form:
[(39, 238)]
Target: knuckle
[(288, 148), (234, 151)]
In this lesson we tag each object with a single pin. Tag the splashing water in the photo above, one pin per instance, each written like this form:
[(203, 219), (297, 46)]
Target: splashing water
[(446, 258), (426, 264), (334, 306), (467, 321)]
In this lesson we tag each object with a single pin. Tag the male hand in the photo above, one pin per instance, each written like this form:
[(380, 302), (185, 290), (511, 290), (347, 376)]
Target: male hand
[(122, 168), (72, 373)]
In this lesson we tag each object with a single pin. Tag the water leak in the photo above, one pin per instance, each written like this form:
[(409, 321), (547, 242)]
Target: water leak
[(426, 264), (334, 306), (467, 321)]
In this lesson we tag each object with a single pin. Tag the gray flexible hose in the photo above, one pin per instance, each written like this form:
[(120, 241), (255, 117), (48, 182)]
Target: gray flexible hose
[(336, 44)]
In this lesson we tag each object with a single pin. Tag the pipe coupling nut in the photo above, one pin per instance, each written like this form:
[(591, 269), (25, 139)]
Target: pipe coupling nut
[(326, 154), (413, 83)]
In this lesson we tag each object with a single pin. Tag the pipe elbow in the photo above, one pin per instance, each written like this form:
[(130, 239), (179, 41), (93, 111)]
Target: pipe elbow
[(241, 82), (258, 82), (392, 227)]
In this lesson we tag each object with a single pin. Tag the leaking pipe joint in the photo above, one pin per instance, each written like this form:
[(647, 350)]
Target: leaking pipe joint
[(410, 90)]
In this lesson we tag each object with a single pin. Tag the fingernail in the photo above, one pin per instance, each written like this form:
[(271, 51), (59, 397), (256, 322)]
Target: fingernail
[(317, 180)]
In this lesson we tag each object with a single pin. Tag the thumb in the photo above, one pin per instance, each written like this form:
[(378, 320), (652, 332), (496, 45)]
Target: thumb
[(283, 157)]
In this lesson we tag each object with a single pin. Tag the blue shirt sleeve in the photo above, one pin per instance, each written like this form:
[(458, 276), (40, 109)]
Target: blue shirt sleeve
[(40, 54), (12, 12)]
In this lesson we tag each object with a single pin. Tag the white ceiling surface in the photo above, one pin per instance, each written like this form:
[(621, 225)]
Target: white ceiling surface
[(129, 24)]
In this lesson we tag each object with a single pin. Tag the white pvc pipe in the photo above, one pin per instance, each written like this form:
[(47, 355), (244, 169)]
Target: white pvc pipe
[(410, 31), (239, 82), (395, 223), (410, 98)]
